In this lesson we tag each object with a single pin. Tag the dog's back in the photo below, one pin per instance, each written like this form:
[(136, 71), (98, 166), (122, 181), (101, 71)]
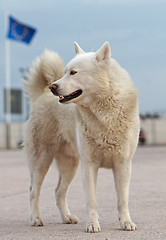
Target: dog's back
[(44, 126)]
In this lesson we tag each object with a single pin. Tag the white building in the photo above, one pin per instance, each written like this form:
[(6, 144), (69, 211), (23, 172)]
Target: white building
[(155, 131)]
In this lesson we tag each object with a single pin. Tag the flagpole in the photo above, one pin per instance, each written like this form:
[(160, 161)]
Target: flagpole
[(8, 85)]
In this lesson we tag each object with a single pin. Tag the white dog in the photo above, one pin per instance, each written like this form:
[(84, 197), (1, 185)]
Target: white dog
[(101, 128)]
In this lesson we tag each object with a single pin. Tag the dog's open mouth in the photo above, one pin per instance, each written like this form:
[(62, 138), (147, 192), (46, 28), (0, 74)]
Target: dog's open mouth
[(69, 97)]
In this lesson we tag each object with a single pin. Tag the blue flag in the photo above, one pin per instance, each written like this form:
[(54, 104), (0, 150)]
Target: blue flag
[(20, 32)]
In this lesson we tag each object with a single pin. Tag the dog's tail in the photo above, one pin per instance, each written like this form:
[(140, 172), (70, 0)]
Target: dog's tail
[(45, 70)]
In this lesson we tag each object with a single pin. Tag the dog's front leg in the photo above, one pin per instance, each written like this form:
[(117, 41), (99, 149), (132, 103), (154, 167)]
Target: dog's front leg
[(122, 172), (89, 172)]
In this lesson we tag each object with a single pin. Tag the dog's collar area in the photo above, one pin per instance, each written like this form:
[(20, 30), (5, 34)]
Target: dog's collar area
[(69, 97)]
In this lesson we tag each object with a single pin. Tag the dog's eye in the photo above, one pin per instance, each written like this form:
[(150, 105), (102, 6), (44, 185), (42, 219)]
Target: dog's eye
[(73, 72)]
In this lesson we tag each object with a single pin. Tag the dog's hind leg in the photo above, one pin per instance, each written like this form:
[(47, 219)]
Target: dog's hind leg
[(67, 167), (38, 166)]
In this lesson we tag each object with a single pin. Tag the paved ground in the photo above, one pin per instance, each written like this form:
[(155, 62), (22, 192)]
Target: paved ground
[(147, 201)]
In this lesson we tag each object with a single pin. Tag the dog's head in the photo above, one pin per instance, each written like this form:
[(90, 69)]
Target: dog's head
[(81, 75)]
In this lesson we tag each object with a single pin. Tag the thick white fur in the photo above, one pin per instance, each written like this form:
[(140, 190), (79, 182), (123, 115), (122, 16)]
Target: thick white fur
[(101, 127)]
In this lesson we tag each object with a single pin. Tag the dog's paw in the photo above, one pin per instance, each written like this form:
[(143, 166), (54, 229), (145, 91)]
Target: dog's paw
[(128, 225), (70, 219), (93, 227), (37, 222)]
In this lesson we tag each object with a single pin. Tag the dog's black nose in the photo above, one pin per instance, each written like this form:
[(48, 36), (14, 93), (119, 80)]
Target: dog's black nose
[(53, 88)]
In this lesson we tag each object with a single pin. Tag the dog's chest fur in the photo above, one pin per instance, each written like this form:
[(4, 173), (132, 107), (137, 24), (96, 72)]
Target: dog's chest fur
[(105, 139)]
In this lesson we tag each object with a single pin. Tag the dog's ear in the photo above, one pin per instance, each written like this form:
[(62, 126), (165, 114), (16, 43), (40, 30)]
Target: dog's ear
[(104, 53), (78, 50)]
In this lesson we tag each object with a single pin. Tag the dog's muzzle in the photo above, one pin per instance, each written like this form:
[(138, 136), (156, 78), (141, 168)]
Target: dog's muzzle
[(67, 98)]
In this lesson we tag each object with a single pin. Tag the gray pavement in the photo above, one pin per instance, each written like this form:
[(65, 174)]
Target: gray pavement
[(147, 200)]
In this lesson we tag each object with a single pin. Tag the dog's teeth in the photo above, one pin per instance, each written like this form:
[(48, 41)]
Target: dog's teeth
[(61, 97)]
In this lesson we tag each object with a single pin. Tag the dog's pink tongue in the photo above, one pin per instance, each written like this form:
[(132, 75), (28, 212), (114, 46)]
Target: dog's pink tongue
[(73, 93)]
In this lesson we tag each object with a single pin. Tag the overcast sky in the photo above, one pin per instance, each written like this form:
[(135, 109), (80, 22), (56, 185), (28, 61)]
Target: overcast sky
[(135, 29)]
